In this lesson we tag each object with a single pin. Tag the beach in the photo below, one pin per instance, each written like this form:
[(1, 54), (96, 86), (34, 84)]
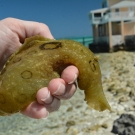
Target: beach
[(75, 117)]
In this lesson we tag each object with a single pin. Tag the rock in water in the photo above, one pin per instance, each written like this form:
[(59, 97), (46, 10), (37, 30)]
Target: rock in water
[(125, 125)]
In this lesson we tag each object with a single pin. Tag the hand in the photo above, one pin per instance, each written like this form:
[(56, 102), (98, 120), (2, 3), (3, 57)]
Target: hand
[(12, 34)]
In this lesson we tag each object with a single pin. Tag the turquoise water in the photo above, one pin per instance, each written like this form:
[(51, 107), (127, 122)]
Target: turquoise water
[(84, 40)]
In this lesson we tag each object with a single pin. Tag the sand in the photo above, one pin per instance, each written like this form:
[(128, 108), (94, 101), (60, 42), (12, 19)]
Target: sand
[(74, 116)]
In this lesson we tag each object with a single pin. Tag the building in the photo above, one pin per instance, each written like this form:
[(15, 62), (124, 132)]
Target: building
[(114, 23)]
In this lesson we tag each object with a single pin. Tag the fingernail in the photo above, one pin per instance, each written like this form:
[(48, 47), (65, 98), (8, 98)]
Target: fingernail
[(48, 99), (46, 116), (75, 77), (60, 90)]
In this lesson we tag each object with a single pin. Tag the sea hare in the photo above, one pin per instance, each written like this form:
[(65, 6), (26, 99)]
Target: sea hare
[(37, 62)]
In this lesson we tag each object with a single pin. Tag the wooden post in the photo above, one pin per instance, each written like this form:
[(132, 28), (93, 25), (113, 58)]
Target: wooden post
[(110, 36), (96, 29), (122, 31), (134, 28), (95, 33), (106, 29)]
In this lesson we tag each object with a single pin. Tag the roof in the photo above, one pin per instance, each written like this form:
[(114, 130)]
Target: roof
[(98, 10), (124, 3)]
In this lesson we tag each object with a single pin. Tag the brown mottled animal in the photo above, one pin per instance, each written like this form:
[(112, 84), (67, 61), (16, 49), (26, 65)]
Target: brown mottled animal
[(38, 61)]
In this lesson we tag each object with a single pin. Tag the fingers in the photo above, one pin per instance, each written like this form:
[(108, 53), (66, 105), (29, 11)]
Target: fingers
[(50, 102), (25, 29), (35, 110), (62, 88), (36, 28), (70, 74), (48, 98), (58, 89), (46, 104), (54, 106)]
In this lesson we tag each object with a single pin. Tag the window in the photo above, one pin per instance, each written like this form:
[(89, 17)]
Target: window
[(97, 15), (117, 11)]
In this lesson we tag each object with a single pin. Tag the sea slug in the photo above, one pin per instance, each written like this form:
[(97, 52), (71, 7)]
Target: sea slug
[(38, 61)]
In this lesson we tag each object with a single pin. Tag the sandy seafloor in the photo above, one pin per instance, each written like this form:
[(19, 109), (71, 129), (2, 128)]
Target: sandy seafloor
[(74, 116)]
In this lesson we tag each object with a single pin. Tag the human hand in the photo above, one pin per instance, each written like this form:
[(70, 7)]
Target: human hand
[(12, 34)]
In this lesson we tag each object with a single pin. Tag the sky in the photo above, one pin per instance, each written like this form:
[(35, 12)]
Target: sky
[(65, 18)]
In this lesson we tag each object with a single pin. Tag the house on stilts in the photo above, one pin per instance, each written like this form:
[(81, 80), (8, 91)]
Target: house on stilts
[(113, 25)]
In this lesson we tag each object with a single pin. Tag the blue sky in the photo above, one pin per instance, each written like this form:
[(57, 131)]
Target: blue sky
[(65, 18)]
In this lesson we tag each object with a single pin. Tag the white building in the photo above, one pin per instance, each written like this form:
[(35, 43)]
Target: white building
[(114, 23)]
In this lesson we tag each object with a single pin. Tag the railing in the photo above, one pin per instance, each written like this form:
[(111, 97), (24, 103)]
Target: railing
[(120, 15), (96, 20), (115, 16), (83, 40)]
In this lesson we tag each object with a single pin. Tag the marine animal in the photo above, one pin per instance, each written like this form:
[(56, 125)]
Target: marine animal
[(38, 61)]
